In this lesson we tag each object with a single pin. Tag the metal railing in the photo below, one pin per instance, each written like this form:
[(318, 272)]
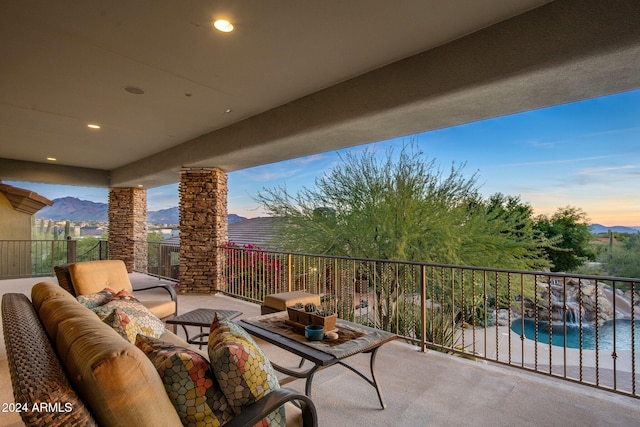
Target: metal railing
[(163, 260), (575, 327), (36, 258), (580, 328)]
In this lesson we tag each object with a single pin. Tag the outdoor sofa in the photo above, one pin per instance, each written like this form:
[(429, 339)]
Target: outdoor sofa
[(68, 367)]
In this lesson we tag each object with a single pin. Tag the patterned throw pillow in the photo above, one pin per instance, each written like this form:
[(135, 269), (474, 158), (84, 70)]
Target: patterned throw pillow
[(189, 383), (97, 299), (149, 324), (126, 296), (242, 369), (128, 328)]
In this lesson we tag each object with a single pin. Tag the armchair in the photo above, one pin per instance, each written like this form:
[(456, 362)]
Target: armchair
[(83, 278)]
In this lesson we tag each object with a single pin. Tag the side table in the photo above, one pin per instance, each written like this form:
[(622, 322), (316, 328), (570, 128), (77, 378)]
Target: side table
[(201, 317)]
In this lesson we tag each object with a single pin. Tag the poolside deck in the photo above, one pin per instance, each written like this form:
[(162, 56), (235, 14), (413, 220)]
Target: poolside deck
[(420, 389)]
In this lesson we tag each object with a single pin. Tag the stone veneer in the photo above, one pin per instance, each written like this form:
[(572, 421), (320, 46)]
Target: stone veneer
[(128, 227), (203, 227)]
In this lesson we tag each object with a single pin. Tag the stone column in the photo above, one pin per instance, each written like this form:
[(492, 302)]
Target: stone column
[(128, 227), (203, 227)]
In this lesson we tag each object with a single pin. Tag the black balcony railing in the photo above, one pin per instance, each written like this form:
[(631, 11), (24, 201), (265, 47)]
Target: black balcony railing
[(580, 328), (163, 260), (36, 258)]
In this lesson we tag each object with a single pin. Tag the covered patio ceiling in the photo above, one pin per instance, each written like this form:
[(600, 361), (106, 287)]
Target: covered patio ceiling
[(293, 79)]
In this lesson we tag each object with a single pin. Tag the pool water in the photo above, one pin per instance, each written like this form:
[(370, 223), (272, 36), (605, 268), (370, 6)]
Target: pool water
[(605, 334)]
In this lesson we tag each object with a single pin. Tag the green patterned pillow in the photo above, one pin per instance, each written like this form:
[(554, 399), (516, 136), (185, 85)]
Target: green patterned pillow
[(149, 324), (189, 383), (97, 299), (128, 328), (242, 369)]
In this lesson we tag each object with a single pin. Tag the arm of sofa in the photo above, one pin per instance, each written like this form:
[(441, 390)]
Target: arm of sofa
[(37, 376), (251, 415)]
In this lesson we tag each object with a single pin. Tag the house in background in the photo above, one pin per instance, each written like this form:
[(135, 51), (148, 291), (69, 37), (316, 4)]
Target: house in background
[(17, 207), (252, 231)]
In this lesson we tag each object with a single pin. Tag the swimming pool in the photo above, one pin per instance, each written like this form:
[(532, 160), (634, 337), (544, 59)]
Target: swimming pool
[(605, 334)]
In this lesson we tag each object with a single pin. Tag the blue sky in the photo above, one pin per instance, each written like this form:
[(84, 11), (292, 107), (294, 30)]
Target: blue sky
[(584, 154)]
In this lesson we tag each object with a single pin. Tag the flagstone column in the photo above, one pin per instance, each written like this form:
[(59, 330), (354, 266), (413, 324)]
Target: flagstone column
[(203, 227), (128, 227)]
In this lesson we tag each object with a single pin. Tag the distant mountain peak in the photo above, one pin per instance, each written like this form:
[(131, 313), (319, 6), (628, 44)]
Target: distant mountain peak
[(73, 209)]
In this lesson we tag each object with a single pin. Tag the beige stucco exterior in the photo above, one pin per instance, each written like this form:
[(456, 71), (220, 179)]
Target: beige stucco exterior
[(14, 225)]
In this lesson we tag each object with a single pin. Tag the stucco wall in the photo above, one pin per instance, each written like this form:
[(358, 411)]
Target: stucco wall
[(14, 225)]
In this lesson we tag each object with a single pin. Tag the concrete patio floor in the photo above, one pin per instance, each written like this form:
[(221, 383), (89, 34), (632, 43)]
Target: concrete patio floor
[(420, 389)]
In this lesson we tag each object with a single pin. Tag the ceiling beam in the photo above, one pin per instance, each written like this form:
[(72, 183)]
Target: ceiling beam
[(47, 173)]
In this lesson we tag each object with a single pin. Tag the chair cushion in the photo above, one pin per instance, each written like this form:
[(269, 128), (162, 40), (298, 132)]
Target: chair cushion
[(242, 369), (92, 276), (281, 301), (189, 383), (160, 309)]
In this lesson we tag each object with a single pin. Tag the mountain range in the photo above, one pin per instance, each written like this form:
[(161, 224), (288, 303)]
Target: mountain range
[(74, 209), (597, 229)]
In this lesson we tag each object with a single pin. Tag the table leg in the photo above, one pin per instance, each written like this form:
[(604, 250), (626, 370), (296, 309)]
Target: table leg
[(375, 379), (186, 334), (373, 382)]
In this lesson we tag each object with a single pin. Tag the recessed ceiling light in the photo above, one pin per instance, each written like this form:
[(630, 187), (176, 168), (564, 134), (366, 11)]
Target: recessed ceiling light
[(140, 185), (51, 159), (93, 126), (227, 111), (134, 90), (223, 25)]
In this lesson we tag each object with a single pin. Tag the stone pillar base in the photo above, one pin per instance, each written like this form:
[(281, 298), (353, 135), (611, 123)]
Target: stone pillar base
[(128, 227), (203, 227)]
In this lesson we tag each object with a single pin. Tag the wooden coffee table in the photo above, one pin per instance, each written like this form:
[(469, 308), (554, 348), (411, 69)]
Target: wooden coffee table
[(202, 318), (322, 354)]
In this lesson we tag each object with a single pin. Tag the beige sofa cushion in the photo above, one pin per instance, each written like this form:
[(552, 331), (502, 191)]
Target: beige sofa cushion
[(280, 302), (47, 290), (114, 378), (93, 276), (118, 382)]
